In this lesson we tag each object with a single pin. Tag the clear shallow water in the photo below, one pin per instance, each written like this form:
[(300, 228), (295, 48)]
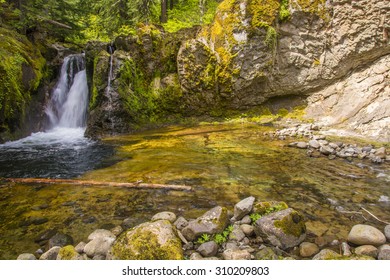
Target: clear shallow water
[(223, 164)]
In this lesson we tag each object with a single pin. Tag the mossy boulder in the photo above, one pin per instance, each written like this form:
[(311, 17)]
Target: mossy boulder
[(213, 221), (148, 241), (285, 228)]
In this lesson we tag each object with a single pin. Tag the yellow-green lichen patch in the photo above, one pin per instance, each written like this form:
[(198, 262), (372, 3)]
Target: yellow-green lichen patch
[(292, 224), (317, 7), (264, 12)]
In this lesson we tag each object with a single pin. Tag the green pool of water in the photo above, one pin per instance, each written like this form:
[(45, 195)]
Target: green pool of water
[(223, 164)]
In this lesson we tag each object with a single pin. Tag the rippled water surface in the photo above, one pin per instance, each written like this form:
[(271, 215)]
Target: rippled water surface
[(223, 164)]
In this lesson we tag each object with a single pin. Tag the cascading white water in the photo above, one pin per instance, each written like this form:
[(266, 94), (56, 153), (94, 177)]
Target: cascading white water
[(68, 104), (61, 151)]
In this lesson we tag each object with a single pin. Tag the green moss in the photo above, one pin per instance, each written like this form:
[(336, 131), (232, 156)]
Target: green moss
[(99, 77), (284, 12), (134, 91), (292, 224), (67, 253), (144, 245), (21, 70), (267, 207)]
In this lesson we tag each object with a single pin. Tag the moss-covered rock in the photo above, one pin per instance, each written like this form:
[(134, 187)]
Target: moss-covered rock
[(149, 241), (267, 207), (285, 228), (21, 71), (68, 253), (213, 221)]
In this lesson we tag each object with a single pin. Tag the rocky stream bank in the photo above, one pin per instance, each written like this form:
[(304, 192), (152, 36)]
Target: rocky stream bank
[(254, 230)]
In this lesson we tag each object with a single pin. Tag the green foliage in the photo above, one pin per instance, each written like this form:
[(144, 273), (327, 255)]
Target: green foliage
[(220, 239), (203, 238), (254, 217), (189, 13), (284, 13)]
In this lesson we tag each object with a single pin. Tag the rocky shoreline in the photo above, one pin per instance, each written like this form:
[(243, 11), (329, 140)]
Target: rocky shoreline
[(317, 144), (254, 230)]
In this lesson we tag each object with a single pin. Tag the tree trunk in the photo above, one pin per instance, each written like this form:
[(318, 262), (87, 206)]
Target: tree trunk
[(164, 12)]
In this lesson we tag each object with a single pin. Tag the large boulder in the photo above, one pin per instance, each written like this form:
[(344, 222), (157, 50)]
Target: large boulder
[(285, 228), (366, 235), (149, 241), (213, 221)]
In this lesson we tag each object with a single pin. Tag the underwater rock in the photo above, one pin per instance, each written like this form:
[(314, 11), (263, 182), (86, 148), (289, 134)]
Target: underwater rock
[(169, 216), (61, 240), (308, 249)]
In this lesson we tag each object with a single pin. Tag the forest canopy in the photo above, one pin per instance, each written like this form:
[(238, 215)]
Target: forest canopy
[(82, 20)]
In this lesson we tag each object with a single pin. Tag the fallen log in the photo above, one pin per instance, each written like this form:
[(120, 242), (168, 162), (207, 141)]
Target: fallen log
[(135, 185)]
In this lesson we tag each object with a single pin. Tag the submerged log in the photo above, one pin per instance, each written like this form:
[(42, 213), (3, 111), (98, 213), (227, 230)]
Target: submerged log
[(136, 185)]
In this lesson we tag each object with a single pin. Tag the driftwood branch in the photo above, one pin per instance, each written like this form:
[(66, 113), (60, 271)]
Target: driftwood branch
[(136, 185), (375, 217)]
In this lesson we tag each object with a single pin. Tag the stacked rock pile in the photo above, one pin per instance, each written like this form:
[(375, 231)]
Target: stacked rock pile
[(317, 145)]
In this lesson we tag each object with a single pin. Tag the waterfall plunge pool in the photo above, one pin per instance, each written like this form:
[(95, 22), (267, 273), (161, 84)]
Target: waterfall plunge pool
[(223, 163)]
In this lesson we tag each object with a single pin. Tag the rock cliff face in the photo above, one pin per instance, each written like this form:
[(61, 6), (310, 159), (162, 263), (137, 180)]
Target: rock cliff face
[(253, 52), (261, 54)]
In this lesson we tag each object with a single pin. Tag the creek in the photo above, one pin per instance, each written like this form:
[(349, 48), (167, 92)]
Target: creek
[(223, 163)]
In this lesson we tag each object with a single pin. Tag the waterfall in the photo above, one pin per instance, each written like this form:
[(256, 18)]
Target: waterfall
[(110, 51), (69, 101)]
